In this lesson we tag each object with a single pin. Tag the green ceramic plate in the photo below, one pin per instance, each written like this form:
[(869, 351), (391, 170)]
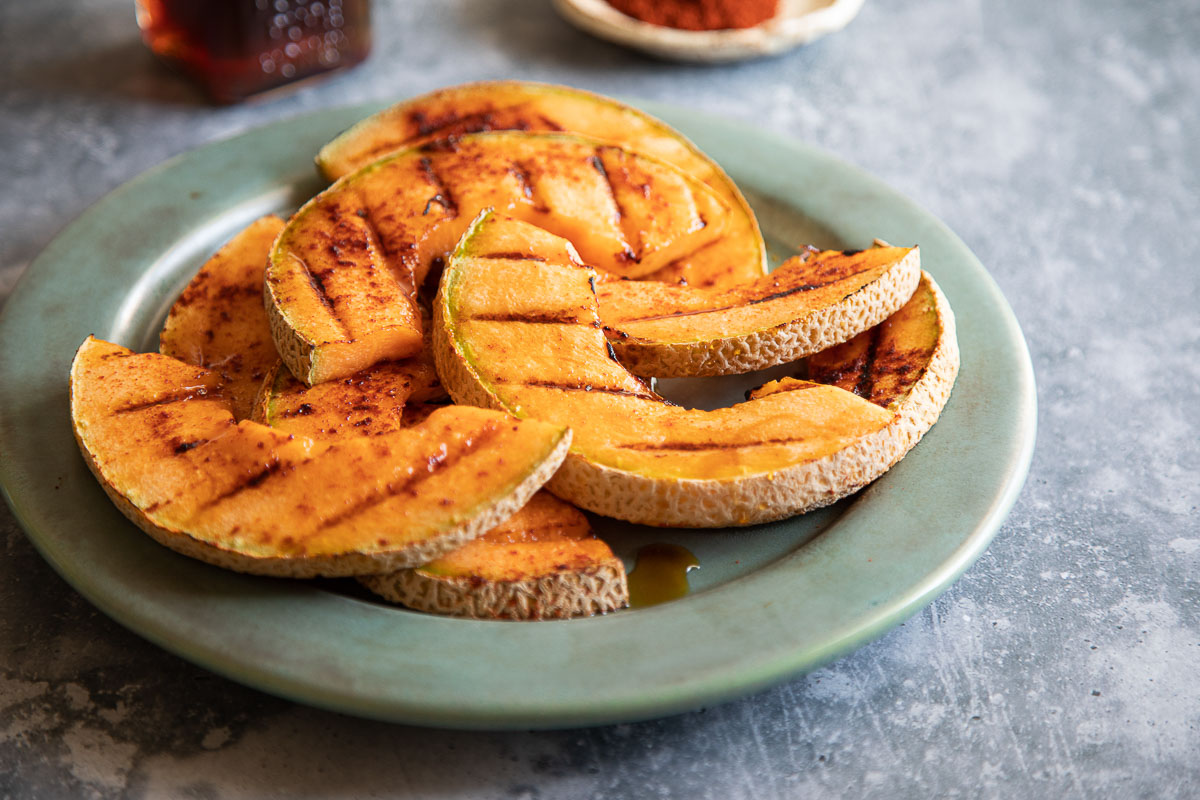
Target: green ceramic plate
[(767, 603)]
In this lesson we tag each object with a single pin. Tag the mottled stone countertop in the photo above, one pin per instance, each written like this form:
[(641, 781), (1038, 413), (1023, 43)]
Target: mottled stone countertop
[(1059, 140)]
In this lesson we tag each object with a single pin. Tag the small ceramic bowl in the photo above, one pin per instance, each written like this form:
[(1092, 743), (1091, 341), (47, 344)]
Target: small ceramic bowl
[(798, 22)]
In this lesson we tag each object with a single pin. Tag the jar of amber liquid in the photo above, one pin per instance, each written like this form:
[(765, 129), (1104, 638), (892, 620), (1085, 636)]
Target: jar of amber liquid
[(237, 48)]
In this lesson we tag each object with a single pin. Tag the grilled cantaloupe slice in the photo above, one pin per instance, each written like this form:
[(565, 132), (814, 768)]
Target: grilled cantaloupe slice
[(218, 321), (342, 273), (522, 334), (544, 562), (811, 302), (452, 112), (907, 364), (541, 563), (164, 445), (369, 402)]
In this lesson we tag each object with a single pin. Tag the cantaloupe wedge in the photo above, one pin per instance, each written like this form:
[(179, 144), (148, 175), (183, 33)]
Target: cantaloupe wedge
[(455, 111), (634, 456), (541, 563), (810, 303), (165, 447), (907, 364), (218, 321), (342, 273), (544, 562)]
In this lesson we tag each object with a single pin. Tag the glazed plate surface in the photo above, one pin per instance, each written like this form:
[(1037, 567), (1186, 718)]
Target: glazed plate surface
[(767, 603)]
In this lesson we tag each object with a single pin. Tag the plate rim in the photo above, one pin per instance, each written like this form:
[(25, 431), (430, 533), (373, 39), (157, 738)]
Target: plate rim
[(722, 684)]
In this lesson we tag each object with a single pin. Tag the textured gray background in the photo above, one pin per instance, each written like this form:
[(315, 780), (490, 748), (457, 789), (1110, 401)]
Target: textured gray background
[(1059, 139)]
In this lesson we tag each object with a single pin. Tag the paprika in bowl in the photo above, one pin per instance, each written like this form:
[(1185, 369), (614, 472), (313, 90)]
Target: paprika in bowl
[(709, 30), (699, 15)]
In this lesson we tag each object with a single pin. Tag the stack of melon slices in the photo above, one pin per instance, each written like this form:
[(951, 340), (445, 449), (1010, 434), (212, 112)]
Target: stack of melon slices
[(317, 411)]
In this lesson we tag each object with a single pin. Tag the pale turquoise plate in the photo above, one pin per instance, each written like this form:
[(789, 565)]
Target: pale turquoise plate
[(768, 602)]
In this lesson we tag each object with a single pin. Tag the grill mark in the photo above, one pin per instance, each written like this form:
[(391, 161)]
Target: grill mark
[(318, 287), (806, 287), (273, 467), (477, 122), (545, 318), (598, 164), (651, 447), (177, 397), (866, 381), (443, 196), (375, 241), (435, 464), (528, 190), (513, 256), (183, 447), (587, 387)]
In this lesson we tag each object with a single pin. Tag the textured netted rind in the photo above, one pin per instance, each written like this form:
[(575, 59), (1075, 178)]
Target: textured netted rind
[(597, 589), (295, 350), (819, 330)]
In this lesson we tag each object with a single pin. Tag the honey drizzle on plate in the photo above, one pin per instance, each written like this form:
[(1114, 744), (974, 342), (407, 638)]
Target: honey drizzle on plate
[(660, 574)]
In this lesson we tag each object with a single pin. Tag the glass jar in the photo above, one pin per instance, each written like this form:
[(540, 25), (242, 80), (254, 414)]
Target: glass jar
[(237, 48)]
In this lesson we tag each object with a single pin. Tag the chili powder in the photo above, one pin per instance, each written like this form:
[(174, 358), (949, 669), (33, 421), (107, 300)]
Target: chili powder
[(699, 15)]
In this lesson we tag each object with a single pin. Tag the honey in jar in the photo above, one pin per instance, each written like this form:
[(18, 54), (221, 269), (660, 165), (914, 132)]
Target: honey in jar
[(237, 48)]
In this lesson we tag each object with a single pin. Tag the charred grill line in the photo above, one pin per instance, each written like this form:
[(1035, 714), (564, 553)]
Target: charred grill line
[(548, 318), (528, 190), (177, 397), (183, 447), (470, 123), (318, 287), (513, 256), (598, 165), (866, 380), (435, 464), (698, 446), (807, 287), (375, 242), (257, 479), (442, 196), (582, 387)]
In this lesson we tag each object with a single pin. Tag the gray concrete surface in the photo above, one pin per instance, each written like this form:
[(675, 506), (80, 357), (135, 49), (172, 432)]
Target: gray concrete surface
[(1058, 139)]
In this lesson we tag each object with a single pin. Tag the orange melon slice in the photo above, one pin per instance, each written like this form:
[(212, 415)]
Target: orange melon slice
[(542, 355), (810, 303), (544, 562), (218, 321), (455, 111), (162, 442), (342, 274)]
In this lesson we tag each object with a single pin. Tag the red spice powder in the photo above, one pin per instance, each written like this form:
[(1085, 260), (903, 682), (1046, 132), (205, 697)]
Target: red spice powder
[(699, 15)]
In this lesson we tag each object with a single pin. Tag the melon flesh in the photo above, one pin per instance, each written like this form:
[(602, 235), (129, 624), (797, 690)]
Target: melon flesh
[(887, 363), (542, 562), (341, 278), (218, 321), (453, 112), (541, 354), (166, 448), (810, 303)]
